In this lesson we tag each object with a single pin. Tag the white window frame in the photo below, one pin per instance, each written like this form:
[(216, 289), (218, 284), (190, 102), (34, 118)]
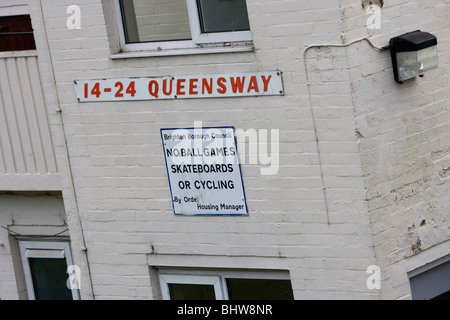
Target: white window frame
[(216, 278), (199, 39), (219, 37), (168, 279), (48, 250)]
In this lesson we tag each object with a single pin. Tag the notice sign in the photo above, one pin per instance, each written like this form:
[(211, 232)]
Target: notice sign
[(204, 171), (180, 87)]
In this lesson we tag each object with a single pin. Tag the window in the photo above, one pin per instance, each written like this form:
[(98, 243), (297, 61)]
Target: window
[(225, 285), (16, 33), (181, 24), (45, 268)]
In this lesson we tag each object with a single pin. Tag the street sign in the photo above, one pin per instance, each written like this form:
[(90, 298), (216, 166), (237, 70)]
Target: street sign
[(180, 87)]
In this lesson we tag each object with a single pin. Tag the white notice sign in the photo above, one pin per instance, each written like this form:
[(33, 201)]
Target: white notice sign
[(204, 171)]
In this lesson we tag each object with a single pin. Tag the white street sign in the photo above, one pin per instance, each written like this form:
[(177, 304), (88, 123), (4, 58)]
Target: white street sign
[(181, 87)]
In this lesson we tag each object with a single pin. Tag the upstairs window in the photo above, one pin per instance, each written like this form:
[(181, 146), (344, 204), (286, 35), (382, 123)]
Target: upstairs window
[(16, 33), (180, 24)]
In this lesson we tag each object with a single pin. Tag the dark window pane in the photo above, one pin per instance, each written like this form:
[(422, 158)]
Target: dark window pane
[(444, 296), (192, 292), (49, 279), (16, 33), (256, 289), (149, 21), (223, 15)]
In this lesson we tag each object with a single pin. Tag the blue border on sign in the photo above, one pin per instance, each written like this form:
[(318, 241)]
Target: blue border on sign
[(240, 172)]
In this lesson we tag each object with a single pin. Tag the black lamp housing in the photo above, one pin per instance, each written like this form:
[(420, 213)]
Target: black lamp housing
[(412, 54)]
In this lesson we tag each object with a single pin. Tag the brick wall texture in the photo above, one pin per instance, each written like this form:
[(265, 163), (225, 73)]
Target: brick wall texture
[(364, 161)]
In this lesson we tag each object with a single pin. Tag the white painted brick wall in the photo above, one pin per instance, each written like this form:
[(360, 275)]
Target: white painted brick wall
[(121, 181), (405, 134), (169, 18)]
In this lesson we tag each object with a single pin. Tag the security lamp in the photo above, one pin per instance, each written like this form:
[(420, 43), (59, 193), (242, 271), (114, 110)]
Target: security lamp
[(412, 54)]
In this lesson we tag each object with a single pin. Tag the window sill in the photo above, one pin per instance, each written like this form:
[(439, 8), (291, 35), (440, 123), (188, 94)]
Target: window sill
[(181, 52), (18, 54)]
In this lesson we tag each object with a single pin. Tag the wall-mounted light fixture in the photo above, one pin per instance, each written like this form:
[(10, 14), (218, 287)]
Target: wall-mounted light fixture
[(412, 54)]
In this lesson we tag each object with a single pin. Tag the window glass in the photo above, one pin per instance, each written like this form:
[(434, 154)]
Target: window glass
[(259, 289), (223, 15), (155, 20), (428, 284), (220, 285), (192, 292), (49, 279)]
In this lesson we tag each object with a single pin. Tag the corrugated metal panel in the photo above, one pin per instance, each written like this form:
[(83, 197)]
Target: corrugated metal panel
[(25, 141)]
